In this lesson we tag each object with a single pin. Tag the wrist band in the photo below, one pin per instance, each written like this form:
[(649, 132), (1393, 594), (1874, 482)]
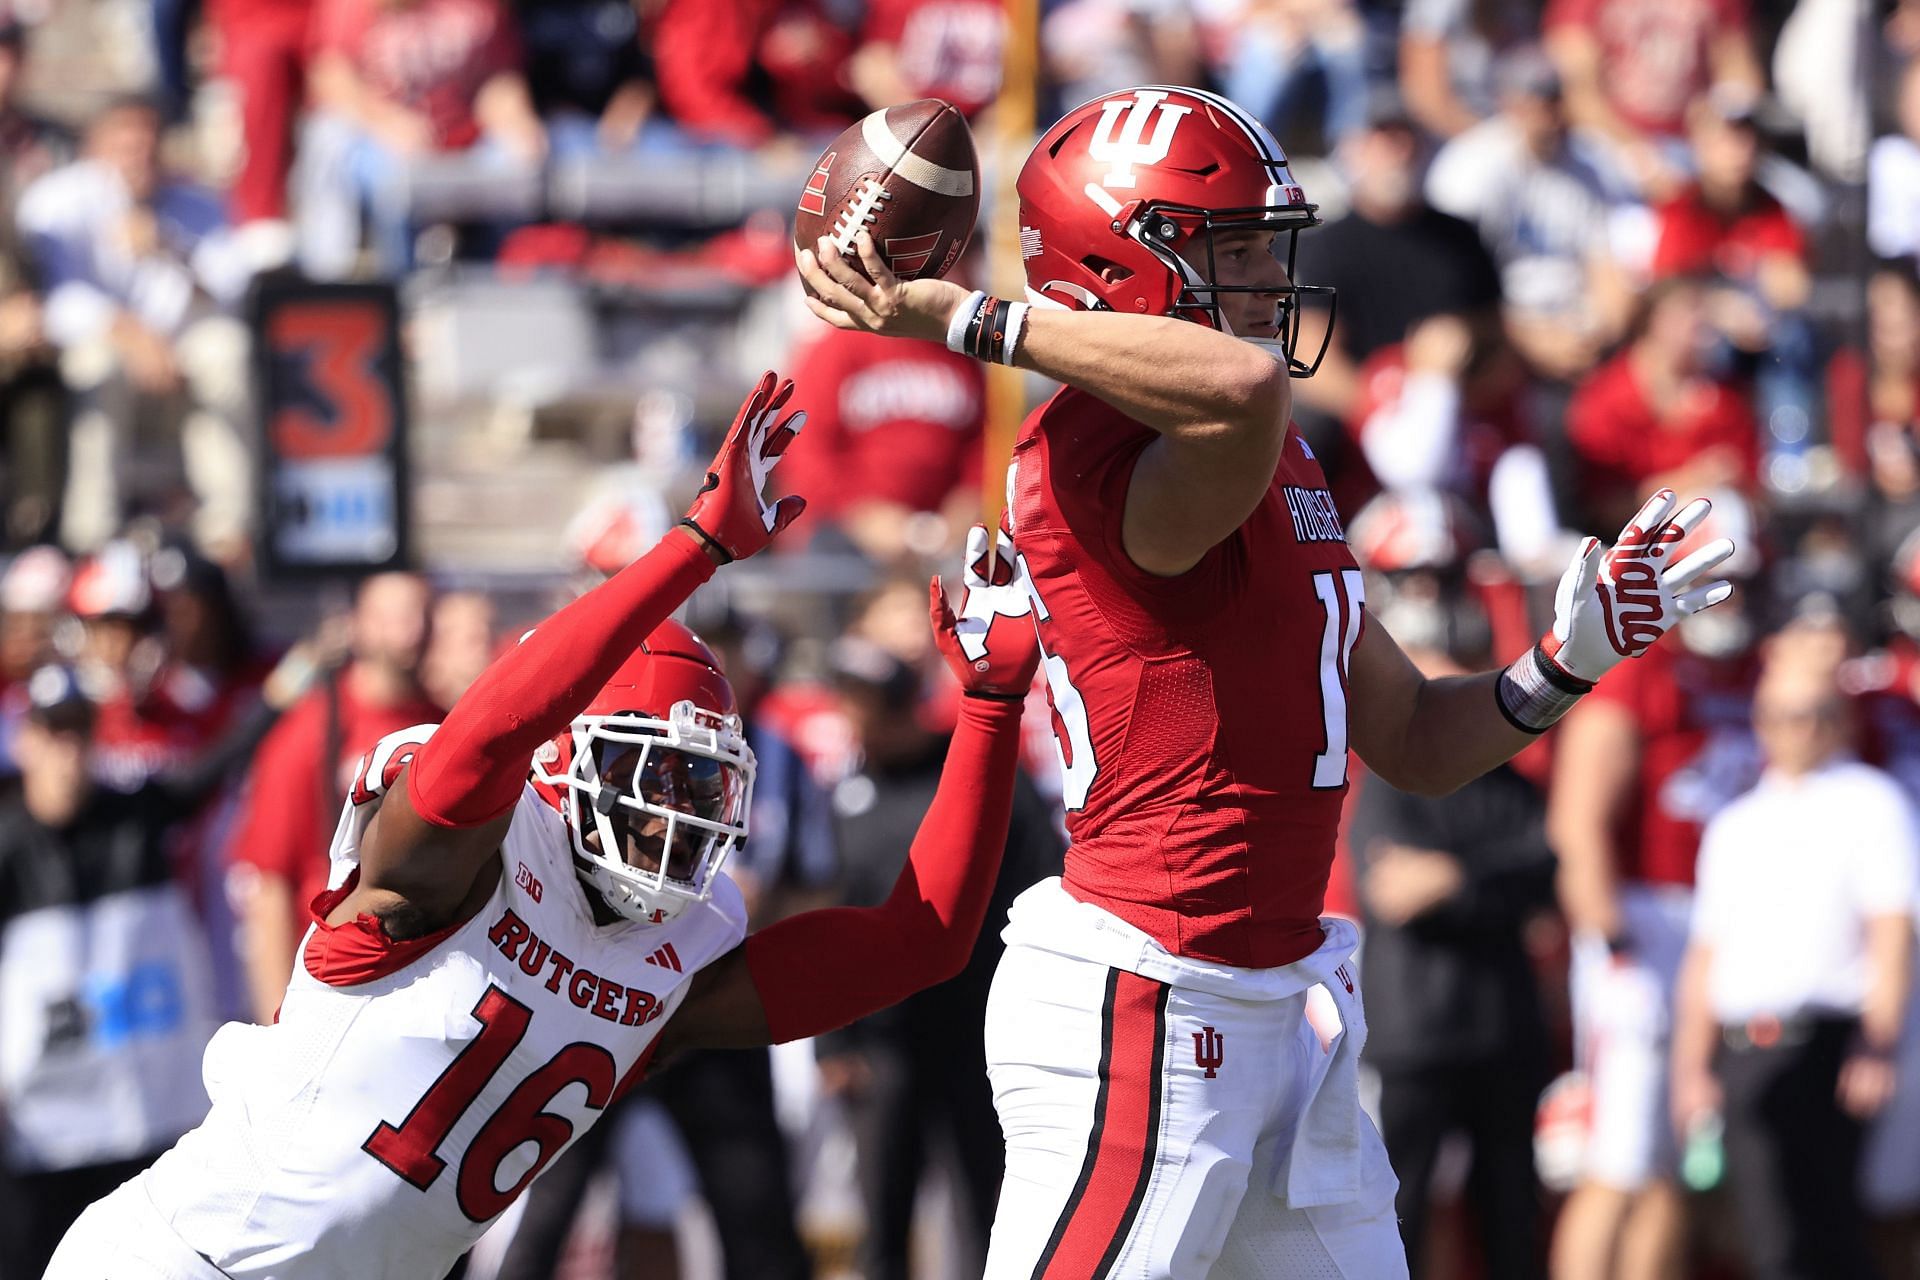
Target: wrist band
[(970, 342), (994, 697), (1016, 329), (957, 327), (1534, 693), (988, 333), (706, 539)]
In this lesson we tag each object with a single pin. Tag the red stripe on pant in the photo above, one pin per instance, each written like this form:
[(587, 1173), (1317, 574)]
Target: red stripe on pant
[(1126, 1133)]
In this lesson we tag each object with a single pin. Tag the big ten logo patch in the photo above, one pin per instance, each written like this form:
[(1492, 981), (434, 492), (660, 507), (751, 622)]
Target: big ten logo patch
[(528, 882)]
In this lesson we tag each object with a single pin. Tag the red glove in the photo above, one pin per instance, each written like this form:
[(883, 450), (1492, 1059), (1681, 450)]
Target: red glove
[(991, 647), (730, 513)]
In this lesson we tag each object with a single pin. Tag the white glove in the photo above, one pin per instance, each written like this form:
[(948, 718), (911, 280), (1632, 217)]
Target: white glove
[(1613, 604)]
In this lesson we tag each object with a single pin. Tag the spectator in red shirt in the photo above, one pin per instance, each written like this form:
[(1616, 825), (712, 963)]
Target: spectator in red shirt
[(263, 45), (1726, 227), (950, 49), (1654, 415), (279, 849), (1630, 68), (709, 56), (893, 432), (1725, 223), (398, 82)]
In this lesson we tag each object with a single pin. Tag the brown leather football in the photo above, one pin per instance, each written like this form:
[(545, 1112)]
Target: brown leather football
[(907, 174)]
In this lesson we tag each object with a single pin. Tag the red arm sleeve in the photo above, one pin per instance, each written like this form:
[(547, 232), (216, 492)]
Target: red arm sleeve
[(471, 771), (823, 969)]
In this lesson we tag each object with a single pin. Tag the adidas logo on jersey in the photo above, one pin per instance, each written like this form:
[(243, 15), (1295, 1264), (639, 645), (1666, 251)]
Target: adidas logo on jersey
[(666, 958)]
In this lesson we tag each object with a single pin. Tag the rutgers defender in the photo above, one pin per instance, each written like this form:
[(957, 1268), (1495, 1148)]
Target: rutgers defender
[(497, 959), (1169, 1105)]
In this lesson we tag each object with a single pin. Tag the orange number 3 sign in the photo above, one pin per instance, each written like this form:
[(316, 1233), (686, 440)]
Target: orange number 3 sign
[(340, 343)]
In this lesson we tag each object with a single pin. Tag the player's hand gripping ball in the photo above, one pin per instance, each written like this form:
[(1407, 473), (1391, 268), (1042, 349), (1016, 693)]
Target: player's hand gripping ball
[(991, 647), (731, 513)]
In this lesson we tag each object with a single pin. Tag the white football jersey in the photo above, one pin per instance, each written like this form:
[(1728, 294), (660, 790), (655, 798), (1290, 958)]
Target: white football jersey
[(378, 1128)]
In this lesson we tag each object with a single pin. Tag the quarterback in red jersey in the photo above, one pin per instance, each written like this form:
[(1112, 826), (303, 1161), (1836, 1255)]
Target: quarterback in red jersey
[(530, 897), (1174, 1031)]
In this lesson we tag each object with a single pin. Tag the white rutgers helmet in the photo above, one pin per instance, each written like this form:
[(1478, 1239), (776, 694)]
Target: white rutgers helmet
[(654, 779)]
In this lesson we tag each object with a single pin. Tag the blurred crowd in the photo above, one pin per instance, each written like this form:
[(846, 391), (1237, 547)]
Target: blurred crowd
[(1641, 1004)]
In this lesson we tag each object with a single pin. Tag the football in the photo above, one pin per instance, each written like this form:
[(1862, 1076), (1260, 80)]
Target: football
[(908, 174)]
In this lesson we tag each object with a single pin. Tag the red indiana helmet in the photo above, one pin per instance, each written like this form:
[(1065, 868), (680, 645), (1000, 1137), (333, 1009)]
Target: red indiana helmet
[(1122, 183), (654, 778)]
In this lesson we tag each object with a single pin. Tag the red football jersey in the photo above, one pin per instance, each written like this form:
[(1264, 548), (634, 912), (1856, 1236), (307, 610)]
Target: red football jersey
[(1201, 719), (1697, 753)]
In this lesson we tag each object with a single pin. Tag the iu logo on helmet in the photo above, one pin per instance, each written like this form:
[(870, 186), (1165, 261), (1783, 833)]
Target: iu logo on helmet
[(1132, 145)]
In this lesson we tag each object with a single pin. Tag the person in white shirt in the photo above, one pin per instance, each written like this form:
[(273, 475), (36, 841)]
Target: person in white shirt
[(1796, 979), (142, 277), (1541, 208)]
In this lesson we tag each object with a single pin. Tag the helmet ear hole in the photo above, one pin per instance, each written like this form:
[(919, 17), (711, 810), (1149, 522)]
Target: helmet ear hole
[(1107, 269)]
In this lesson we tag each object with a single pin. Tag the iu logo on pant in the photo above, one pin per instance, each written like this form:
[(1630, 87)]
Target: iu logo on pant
[(1209, 1050)]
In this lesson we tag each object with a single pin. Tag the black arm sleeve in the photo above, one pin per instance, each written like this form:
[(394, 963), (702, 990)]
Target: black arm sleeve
[(187, 786)]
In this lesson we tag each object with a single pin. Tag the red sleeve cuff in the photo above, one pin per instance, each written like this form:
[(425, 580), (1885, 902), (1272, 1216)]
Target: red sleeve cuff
[(434, 816)]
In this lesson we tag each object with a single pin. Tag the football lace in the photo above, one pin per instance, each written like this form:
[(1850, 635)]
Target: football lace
[(861, 211)]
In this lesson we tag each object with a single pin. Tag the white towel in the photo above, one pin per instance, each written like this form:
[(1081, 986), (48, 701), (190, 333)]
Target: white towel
[(1323, 1164)]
